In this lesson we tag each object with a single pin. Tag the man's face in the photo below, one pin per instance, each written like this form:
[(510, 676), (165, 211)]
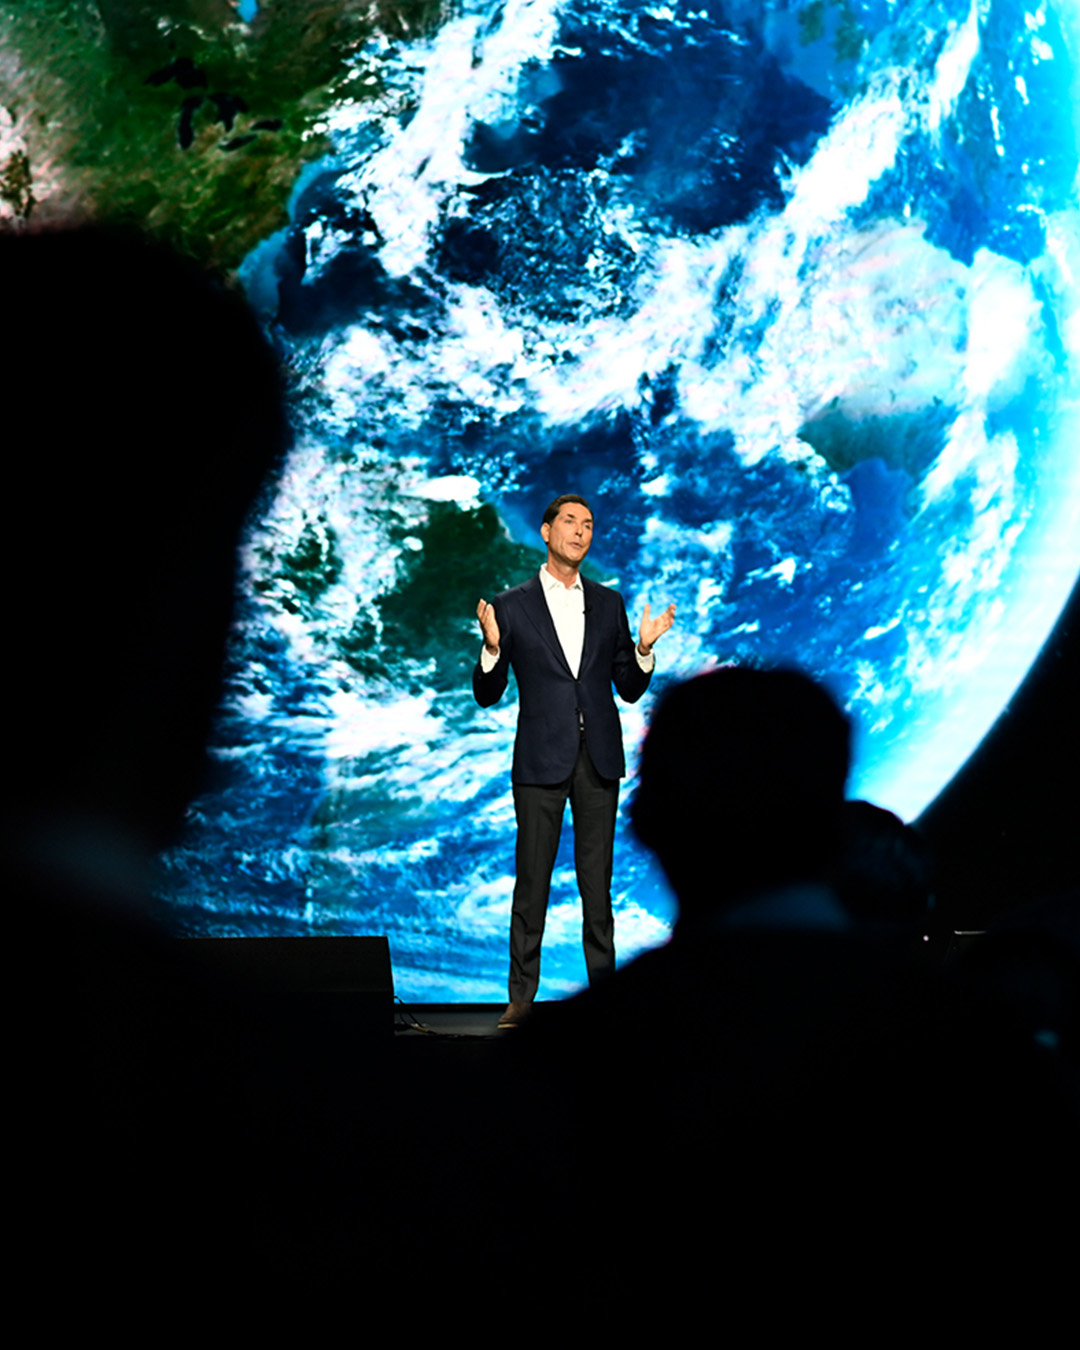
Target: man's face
[(569, 535)]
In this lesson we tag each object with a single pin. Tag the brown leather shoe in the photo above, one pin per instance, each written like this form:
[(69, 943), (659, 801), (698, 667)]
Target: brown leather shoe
[(514, 1015)]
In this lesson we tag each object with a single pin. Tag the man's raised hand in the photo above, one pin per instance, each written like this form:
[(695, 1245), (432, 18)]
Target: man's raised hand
[(652, 628), (489, 627)]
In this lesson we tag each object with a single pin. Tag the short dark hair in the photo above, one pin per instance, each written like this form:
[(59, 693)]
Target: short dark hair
[(741, 783), (558, 504)]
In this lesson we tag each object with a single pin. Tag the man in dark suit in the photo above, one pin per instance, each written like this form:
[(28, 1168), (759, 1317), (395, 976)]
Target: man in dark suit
[(568, 641)]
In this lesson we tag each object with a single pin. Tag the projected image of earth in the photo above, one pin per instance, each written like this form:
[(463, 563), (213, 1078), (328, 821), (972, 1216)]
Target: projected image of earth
[(788, 291)]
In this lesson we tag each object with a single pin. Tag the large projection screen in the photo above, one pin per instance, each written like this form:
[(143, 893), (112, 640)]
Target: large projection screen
[(788, 289)]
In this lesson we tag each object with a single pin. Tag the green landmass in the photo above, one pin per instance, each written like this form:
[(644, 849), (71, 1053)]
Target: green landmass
[(811, 19), (906, 441), (466, 554), (848, 36), (16, 184), (103, 143)]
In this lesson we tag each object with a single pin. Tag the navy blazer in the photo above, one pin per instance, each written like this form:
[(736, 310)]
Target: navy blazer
[(548, 736)]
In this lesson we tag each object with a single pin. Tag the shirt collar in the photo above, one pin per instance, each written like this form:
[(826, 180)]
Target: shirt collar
[(553, 583)]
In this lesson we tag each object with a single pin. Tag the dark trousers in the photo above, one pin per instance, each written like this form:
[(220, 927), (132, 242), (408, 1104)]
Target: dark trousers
[(539, 809)]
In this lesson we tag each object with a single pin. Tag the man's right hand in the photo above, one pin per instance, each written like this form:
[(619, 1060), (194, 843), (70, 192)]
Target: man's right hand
[(488, 626)]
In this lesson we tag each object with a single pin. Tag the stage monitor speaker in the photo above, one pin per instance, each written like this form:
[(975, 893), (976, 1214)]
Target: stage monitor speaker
[(345, 977)]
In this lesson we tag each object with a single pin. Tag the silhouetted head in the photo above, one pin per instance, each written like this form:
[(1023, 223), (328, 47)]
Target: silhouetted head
[(741, 784), (142, 410)]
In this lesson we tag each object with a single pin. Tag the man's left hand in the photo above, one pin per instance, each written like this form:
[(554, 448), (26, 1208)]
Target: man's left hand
[(652, 628)]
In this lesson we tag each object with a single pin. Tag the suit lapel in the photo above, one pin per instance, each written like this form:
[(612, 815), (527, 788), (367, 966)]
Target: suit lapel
[(590, 625), (536, 607)]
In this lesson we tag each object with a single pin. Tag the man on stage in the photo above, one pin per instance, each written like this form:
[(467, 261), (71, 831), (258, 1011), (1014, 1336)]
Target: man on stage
[(568, 641)]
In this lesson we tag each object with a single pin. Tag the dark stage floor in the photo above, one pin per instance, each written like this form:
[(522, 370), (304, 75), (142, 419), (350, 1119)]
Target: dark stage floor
[(425, 1021)]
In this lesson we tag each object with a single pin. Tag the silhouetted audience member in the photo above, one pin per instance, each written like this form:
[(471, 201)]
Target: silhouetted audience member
[(162, 1124), (143, 411), (1031, 960), (884, 876), (752, 763), (768, 1100)]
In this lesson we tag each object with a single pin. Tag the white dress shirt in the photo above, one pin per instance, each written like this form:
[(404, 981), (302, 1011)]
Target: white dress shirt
[(566, 605)]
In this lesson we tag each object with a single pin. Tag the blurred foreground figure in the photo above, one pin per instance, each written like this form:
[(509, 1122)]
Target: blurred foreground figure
[(142, 412), (781, 1100), (885, 876), (741, 798)]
